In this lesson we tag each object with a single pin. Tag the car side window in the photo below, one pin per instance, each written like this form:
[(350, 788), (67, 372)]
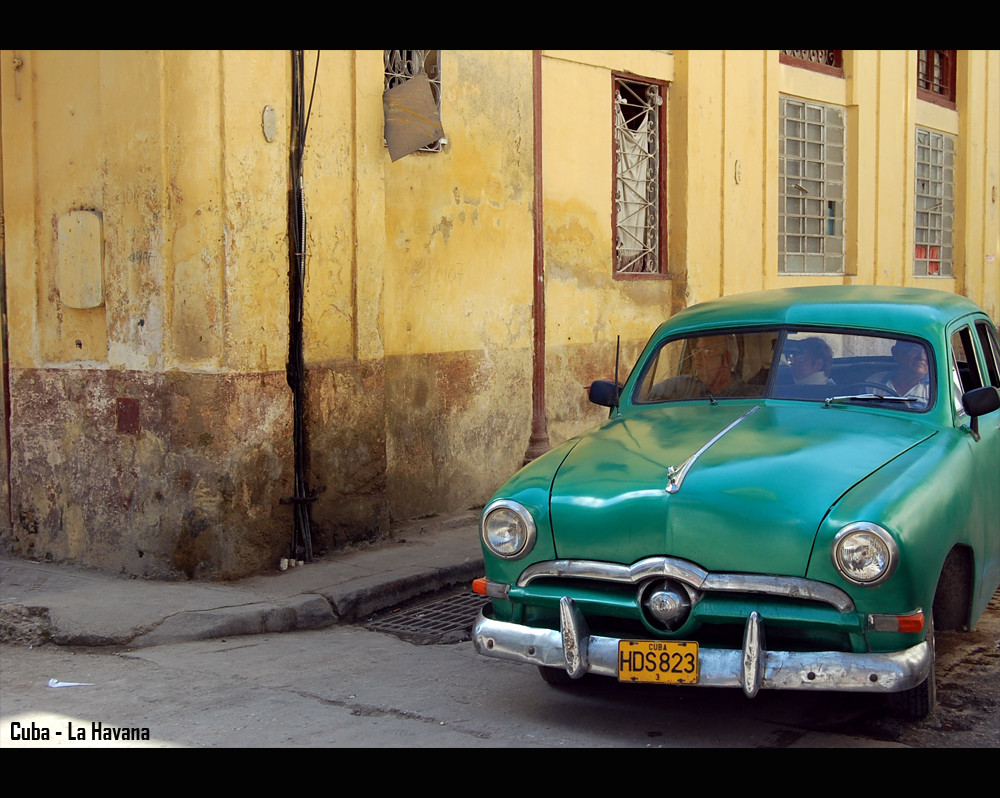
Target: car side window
[(965, 368), (991, 351)]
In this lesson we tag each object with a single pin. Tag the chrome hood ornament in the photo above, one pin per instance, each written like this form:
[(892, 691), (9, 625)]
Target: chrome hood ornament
[(676, 475)]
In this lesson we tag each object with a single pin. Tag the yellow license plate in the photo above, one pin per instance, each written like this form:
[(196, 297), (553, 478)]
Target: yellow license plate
[(658, 661)]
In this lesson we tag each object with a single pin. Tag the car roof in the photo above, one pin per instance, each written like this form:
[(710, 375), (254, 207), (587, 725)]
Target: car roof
[(918, 311)]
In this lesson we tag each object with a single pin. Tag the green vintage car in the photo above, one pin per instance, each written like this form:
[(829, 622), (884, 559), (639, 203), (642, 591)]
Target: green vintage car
[(794, 488)]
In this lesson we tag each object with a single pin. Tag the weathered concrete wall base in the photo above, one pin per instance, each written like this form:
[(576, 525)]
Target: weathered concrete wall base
[(457, 426), (346, 410), (571, 369), (181, 475), (458, 423), (166, 475)]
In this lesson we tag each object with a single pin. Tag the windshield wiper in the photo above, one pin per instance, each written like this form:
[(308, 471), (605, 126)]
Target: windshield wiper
[(866, 397)]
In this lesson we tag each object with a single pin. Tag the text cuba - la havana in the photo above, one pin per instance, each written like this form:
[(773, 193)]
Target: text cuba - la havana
[(82, 732)]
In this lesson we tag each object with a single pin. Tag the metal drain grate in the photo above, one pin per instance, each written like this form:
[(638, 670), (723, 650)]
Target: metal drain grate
[(445, 619)]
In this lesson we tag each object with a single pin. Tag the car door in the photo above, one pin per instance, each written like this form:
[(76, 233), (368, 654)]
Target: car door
[(976, 363), (989, 428)]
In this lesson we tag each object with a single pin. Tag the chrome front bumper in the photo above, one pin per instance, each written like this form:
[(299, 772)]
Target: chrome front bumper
[(574, 649)]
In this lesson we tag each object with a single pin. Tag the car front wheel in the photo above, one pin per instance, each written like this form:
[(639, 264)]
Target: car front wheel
[(557, 677), (917, 702)]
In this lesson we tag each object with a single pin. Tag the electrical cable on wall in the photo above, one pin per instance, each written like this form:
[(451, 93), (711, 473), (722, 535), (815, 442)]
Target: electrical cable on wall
[(302, 497)]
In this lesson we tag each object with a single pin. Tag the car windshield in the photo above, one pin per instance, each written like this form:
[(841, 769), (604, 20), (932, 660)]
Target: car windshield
[(807, 365)]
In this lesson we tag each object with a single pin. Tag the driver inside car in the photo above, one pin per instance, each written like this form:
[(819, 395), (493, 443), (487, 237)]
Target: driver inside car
[(714, 361), (910, 378)]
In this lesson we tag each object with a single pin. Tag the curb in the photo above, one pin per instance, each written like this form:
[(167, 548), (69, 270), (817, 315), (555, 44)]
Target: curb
[(348, 603)]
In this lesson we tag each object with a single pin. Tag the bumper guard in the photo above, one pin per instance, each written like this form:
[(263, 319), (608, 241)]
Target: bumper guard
[(573, 648)]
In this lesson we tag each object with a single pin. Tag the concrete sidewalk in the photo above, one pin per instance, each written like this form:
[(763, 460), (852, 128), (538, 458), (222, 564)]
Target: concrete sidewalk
[(73, 606)]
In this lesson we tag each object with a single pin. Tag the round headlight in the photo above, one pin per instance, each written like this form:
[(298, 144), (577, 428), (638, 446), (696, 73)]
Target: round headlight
[(508, 529), (864, 553)]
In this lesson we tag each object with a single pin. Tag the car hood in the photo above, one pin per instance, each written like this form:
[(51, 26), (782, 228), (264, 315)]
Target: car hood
[(752, 501)]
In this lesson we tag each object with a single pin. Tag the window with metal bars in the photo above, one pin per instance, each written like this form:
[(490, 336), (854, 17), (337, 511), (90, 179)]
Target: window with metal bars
[(829, 62), (934, 195), (401, 65), (638, 177), (811, 188), (936, 76)]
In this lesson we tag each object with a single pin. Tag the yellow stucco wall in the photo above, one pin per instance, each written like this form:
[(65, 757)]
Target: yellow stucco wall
[(167, 148), (150, 423), (458, 223), (724, 154), (345, 206), (585, 305)]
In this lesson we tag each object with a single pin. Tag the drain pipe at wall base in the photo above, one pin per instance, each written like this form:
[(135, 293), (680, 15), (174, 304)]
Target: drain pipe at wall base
[(301, 548), (538, 443), (5, 375)]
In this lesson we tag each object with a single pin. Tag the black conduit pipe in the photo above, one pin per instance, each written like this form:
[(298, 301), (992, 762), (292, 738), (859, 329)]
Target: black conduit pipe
[(302, 497)]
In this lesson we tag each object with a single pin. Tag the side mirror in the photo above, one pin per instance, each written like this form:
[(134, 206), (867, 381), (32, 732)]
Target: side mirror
[(978, 402), (604, 393)]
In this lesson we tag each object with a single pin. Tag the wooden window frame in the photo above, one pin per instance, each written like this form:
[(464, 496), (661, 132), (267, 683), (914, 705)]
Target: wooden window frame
[(946, 96)]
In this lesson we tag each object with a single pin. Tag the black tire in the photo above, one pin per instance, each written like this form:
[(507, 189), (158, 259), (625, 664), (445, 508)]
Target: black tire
[(953, 595), (949, 612), (557, 677), (918, 702)]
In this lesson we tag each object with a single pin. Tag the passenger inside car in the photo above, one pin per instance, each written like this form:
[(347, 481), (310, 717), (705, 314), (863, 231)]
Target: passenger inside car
[(812, 364)]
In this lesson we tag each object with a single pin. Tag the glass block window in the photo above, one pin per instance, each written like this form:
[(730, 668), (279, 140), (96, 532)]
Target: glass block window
[(638, 169), (401, 65), (811, 188), (935, 203)]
